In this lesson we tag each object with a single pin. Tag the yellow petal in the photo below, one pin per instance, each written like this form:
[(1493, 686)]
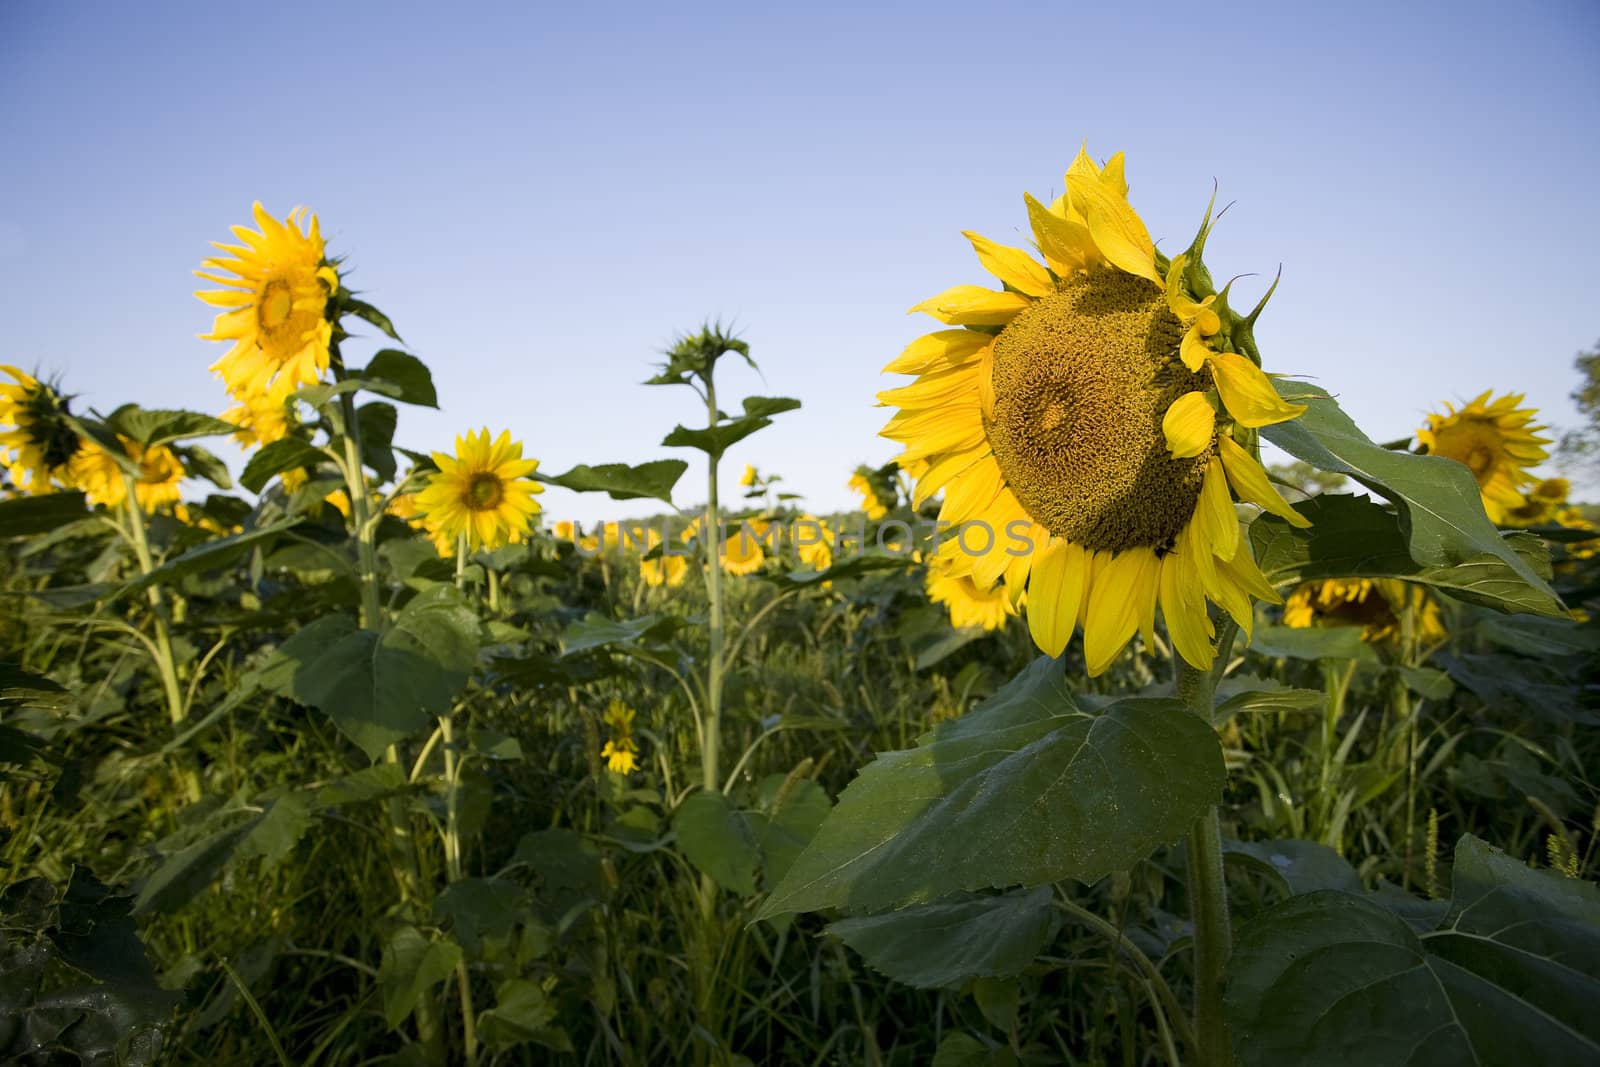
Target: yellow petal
[(939, 349), (940, 473), (1193, 349), (1055, 586), (1247, 392), (1251, 483), (1190, 423), (973, 305), (932, 388), (1214, 518), (1066, 245), (1117, 230), (1183, 606), (1116, 601), (1012, 266), (1186, 308)]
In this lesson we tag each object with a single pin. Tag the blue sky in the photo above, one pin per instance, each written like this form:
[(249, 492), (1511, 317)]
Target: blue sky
[(541, 198)]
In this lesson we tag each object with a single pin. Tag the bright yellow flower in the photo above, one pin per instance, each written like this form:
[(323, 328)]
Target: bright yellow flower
[(969, 605), (1573, 519), (38, 448), (870, 503), (620, 752), (748, 478), (1105, 421), (1374, 604), (101, 477), (262, 419), (279, 282), (741, 551), (664, 570), (818, 554), (194, 517), (1497, 442), (482, 491)]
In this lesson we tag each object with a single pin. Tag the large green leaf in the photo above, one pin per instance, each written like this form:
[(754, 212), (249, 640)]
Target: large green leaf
[(719, 841), (934, 945), (1310, 642), (1353, 537), (1440, 510), (400, 375), (151, 427), (715, 440), (1511, 975), (187, 872), (286, 453), (412, 964), (596, 631), (26, 516), (210, 556), (379, 688), (1026, 789), (652, 480)]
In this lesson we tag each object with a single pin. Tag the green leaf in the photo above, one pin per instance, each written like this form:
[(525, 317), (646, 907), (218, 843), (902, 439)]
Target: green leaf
[(1026, 789), (158, 427), (783, 834), (1297, 866), (960, 1049), (1248, 693), (363, 310), (653, 481), (284, 454), (1441, 512), (1427, 682), (597, 631), (380, 688), (563, 859), (477, 908), (935, 945), (378, 421), (377, 782), (762, 406), (1311, 642), (402, 376), (1542, 637), (27, 516), (211, 556), (202, 464), (278, 829), (1353, 537), (522, 1013), (411, 966), (719, 841), (187, 872), (1511, 975), (715, 440), (849, 567)]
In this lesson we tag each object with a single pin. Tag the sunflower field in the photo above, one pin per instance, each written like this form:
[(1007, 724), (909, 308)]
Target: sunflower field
[(1096, 735)]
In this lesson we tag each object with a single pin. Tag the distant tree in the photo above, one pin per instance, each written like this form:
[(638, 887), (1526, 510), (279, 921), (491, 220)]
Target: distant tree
[(1580, 448)]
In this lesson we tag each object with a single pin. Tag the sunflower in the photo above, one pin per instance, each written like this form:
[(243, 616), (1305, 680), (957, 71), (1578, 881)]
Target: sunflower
[(741, 551), (1573, 519), (861, 484), (279, 282), (663, 570), (621, 751), (1497, 442), (748, 478), (37, 450), (968, 604), (481, 491), (816, 554), (1374, 604), (1099, 407), (101, 477), (262, 419)]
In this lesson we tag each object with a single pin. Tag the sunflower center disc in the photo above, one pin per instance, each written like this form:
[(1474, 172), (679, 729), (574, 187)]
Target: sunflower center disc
[(1472, 442), (484, 492), (1082, 380), (276, 303)]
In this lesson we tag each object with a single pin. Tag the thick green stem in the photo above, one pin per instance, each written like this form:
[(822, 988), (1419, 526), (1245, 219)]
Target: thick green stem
[(1208, 891), (709, 751), (166, 664)]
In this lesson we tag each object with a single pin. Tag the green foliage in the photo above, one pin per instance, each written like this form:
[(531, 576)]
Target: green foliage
[(653, 480), (933, 945), (25, 516)]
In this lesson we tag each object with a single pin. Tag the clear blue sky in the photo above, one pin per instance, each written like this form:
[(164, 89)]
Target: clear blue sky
[(541, 196)]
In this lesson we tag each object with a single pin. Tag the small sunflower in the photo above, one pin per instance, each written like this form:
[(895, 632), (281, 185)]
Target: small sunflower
[(482, 491), (1374, 604), (748, 478), (100, 477), (279, 282), (816, 554), (1497, 442), (38, 448), (861, 483), (1101, 405), (621, 752), (968, 604), (1573, 519), (262, 419), (663, 570), (741, 551)]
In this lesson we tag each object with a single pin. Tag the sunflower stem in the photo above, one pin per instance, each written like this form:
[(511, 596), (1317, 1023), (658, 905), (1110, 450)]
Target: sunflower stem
[(1208, 890)]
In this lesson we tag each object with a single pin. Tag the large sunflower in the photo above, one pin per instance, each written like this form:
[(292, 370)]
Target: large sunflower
[(481, 491), (1100, 406), (279, 282), (158, 486), (38, 448), (1495, 440)]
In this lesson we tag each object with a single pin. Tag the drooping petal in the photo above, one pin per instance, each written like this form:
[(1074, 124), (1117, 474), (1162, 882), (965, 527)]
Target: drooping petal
[(1055, 587), (973, 305), (1250, 481), (1012, 266), (1116, 602), (1193, 349), (1189, 425), (1247, 392), (1117, 230), (1066, 245)]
